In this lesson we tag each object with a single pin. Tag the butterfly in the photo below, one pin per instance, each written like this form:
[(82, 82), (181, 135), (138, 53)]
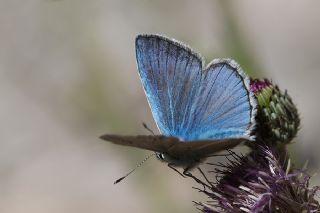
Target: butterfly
[(199, 111)]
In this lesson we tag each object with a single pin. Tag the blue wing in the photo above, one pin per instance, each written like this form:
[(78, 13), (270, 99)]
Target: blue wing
[(171, 76), (187, 102), (225, 107)]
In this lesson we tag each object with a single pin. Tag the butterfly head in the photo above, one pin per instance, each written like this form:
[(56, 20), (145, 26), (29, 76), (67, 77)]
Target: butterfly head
[(168, 158), (162, 157)]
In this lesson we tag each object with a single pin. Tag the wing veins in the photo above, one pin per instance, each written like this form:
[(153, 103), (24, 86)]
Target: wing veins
[(206, 99)]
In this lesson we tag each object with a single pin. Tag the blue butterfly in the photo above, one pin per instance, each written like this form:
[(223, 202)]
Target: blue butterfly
[(198, 111)]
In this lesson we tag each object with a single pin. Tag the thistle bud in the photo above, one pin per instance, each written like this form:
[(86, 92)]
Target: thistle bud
[(278, 118)]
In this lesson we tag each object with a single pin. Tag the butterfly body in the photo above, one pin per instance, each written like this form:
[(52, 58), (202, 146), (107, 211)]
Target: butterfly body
[(199, 111), (174, 151)]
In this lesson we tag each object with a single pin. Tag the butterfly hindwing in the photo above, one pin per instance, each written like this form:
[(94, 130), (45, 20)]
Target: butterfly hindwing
[(201, 149), (173, 146), (225, 106)]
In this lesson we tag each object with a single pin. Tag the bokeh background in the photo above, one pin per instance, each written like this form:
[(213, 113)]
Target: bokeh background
[(68, 75)]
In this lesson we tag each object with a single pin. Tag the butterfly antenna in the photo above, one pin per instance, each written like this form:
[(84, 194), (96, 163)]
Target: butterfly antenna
[(140, 164), (147, 128)]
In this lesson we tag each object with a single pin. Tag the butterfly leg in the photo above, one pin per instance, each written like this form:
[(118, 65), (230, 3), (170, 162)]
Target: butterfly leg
[(189, 174), (186, 171), (171, 166)]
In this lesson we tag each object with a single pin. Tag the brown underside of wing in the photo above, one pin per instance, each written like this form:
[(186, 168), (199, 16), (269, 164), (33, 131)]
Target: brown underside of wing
[(173, 146), (203, 148), (157, 143)]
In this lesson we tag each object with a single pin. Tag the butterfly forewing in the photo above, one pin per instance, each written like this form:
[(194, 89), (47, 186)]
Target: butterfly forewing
[(157, 143), (171, 75)]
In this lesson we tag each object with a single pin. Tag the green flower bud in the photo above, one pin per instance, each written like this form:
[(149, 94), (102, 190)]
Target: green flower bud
[(278, 119)]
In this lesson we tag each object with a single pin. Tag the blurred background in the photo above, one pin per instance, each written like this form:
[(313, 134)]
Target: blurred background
[(68, 75)]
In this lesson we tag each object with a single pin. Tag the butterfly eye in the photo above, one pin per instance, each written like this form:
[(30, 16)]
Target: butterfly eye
[(160, 156)]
